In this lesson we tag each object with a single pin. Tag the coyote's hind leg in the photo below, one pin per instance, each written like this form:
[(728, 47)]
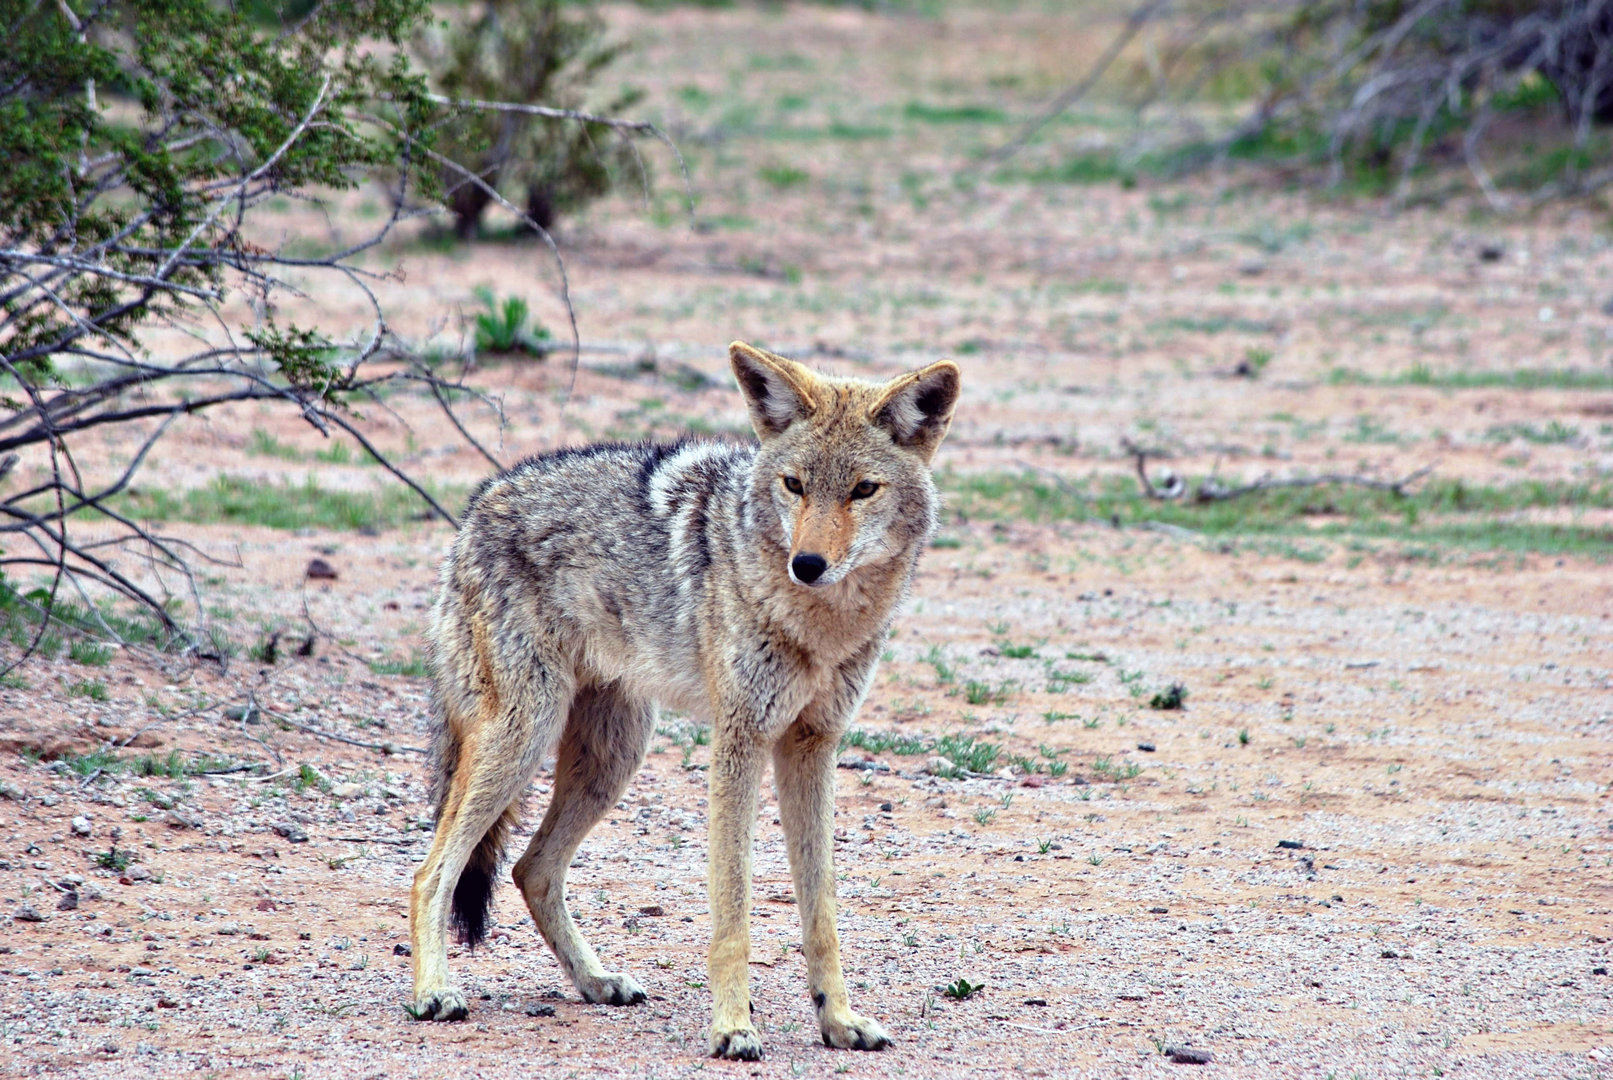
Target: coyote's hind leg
[(495, 758), (601, 748)]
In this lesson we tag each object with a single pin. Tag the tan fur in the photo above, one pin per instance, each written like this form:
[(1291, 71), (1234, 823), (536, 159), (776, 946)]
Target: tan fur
[(754, 585)]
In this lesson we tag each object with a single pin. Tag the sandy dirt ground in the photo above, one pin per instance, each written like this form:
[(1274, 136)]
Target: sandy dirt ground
[(1375, 840)]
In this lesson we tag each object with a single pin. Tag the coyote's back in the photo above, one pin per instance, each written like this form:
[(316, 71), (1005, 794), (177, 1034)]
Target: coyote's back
[(753, 584)]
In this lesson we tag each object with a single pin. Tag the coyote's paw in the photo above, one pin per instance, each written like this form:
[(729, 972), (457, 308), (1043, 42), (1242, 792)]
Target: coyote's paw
[(445, 1004), (853, 1032), (611, 989), (741, 1044)]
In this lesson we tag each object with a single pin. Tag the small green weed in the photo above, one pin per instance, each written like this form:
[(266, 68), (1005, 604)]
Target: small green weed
[(504, 328), (1173, 697), (94, 689), (962, 989)]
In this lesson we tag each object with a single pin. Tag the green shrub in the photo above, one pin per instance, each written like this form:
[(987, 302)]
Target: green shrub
[(527, 52)]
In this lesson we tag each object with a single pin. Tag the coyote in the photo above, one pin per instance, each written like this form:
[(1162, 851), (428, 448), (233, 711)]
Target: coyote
[(754, 584)]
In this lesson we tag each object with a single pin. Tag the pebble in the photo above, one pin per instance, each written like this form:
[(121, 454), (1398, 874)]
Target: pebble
[(28, 913), (1146, 747), (540, 1010), (940, 766), (1291, 845), (293, 832), (1187, 1055), (82, 826), (347, 791)]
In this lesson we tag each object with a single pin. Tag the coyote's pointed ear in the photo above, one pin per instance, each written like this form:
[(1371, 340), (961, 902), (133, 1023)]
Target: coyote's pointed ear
[(917, 407), (777, 391)]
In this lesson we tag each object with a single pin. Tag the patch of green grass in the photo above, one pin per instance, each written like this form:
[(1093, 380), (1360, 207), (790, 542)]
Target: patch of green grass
[(1465, 379), (1439, 512), (415, 667), (984, 693), (783, 177), (264, 444), (1552, 434), (94, 689), (877, 742), (953, 114), (172, 765), (240, 501), (944, 672), (1106, 768), (966, 753), (91, 653), (22, 613), (115, 860)]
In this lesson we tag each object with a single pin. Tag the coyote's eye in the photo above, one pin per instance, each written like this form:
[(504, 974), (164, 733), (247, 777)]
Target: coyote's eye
[(864, 489), (793, 486)]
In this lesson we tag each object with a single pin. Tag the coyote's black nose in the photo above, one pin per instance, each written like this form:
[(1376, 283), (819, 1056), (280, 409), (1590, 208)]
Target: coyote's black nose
[(808, 568)]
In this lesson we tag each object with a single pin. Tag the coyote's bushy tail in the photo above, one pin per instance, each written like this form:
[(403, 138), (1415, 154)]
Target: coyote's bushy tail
[(472, 904), (473, 895)]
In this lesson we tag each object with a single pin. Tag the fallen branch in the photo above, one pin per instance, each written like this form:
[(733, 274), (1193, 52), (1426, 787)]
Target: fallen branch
[(385, 748), (1209, 490)]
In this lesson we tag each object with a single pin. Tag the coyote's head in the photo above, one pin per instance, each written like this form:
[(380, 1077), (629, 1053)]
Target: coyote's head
[(845, 463)]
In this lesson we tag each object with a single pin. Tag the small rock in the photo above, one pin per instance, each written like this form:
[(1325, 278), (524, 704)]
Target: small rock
[(321, 570), (137, 873), (1186, 1055), (82, 826), (1252, 267), (293, 832), (1607, 308), (1032, 781), (1146, 747), (886, 807), (68, 902), (401, 949), (251, 714), (652, 910), (1491, 252), (28, 913), (1389, 954), (229, 929), (266, 905), (1159, 911), (1040, 1002), (347, 791), (1291, 845), (1598, 971), (179, 820), (940, 766), (540, 1010), (166, 1002)]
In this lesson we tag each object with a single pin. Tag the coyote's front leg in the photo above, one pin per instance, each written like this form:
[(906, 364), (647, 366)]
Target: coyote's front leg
[(738, 754), (804, 771)]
